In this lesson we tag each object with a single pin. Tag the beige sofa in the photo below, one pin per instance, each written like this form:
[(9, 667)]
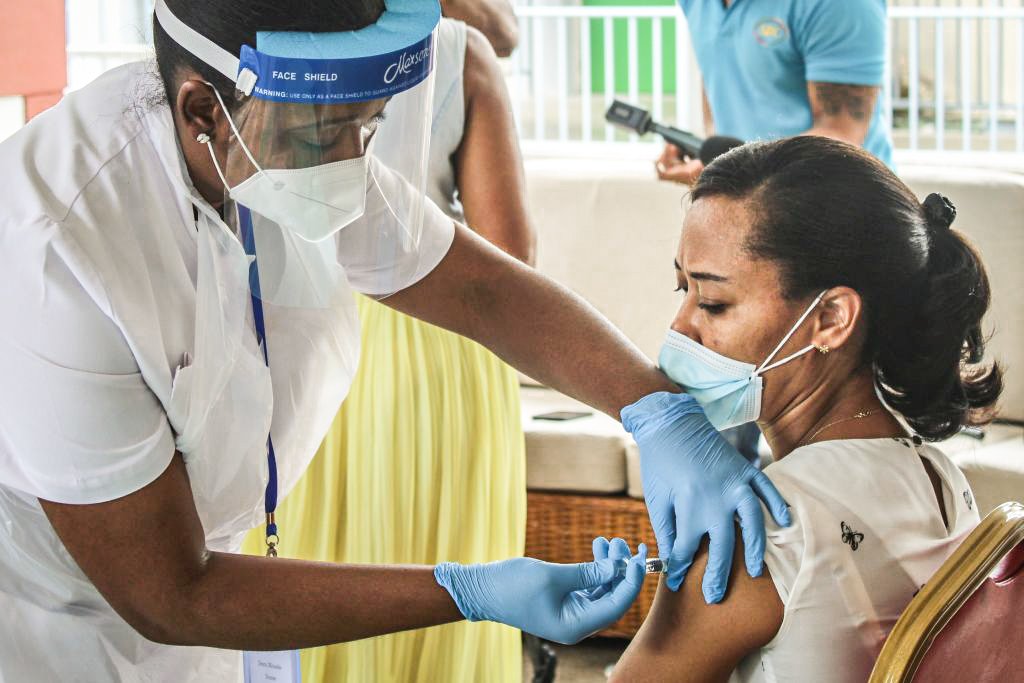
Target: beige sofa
[(608, 230)]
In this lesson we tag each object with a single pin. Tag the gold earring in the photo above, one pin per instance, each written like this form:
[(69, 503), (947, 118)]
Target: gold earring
[(823, 349)]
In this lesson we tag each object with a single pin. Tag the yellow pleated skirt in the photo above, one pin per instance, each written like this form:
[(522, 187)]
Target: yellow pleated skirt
[(425, 463)]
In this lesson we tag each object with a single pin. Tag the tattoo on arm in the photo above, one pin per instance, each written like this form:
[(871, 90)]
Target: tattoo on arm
[(839, 99)]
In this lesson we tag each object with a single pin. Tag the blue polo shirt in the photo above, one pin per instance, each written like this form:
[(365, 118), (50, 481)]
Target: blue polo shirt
[(757, 56)]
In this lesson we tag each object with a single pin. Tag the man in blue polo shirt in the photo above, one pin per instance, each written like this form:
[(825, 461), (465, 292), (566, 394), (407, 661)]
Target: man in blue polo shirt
[(776, 68)]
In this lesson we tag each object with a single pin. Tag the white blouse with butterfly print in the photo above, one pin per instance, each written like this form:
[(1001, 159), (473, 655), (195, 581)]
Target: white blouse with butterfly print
[(867, 534)]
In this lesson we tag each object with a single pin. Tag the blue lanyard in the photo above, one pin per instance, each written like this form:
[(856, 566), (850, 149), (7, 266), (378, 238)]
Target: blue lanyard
[(270, 498)]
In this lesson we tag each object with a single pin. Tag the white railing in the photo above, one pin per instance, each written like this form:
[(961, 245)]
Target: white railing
[(103, 34), (956, 79), (568, 70), (954, 83)]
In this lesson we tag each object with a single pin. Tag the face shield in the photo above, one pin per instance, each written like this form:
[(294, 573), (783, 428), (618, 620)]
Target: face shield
[(308, 106)]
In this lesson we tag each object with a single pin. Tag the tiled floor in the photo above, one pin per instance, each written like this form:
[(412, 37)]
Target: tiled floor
[(583, 663)]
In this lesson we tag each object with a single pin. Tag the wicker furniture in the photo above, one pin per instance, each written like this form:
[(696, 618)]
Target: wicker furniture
[(561, 526)]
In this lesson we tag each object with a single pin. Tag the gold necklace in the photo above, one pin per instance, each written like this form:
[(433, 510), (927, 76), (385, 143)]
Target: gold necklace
[(861, 414)]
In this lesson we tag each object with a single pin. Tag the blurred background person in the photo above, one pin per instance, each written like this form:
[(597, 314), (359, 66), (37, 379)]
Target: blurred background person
[(777, 68), (494, 18), (425, 461)]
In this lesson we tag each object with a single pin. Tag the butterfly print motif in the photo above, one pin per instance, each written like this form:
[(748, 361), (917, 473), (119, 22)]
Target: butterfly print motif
[(851, 537)]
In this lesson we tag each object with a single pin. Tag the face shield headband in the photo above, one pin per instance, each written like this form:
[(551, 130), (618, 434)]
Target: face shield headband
[(377, 62)]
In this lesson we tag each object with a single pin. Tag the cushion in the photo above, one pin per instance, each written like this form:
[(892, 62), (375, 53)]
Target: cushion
[(994, 466), (608, 230), (585, 454)]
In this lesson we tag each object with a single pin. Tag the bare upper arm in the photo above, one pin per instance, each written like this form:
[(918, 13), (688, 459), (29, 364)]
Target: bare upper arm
[(842, 109), (141, 551), (496, 19), (488, 164), (685, 639)]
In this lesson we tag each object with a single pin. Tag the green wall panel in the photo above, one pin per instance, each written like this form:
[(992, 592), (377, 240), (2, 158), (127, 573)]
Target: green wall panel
[(620, 40)]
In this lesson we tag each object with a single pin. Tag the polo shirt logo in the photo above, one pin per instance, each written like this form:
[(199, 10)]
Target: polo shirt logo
[(771, 31)]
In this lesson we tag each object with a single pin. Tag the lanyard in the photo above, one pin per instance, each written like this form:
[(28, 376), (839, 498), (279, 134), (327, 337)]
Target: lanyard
[(270, 497)]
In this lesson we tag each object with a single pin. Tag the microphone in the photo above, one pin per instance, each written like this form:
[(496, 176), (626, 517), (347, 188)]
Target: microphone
[(639, 121)]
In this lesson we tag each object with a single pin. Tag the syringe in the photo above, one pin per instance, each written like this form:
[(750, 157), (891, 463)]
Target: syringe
[(654, 565)]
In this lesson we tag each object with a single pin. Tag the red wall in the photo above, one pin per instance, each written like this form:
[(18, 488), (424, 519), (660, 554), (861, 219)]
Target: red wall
[(33, 58)]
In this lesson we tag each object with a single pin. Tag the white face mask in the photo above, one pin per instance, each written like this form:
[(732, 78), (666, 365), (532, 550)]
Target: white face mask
[(729, 390), (314, 202)]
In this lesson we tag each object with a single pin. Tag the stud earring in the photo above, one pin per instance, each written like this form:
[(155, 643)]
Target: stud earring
[(823, 349), (203, 138)]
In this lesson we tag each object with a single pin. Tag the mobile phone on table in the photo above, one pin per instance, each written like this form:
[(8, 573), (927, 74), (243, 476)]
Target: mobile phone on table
[(563, 415)]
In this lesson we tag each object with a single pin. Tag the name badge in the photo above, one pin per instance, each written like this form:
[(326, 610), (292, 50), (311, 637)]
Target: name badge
[(272, 667)]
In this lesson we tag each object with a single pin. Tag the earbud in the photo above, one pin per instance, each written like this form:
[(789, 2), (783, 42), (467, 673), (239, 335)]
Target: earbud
[(203, 138)]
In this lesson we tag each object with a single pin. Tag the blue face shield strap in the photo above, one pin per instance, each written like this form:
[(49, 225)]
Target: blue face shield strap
[(334, 81), (376, 62)]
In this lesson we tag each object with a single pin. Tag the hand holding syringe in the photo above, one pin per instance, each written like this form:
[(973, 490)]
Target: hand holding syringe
[(618, 551), (560, 602), (654, 566)]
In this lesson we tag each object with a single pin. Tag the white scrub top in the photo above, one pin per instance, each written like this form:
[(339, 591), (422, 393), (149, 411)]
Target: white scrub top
[(867, 533), (111, 271)]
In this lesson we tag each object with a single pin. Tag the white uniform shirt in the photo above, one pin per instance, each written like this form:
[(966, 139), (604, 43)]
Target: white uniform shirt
[(108, 280), (867, 534)]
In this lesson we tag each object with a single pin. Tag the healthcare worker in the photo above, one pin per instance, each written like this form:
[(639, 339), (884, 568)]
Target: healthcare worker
[(179, 330)]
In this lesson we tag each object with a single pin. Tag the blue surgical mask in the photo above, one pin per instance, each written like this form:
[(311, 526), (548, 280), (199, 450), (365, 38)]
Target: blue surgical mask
[(729, 390)]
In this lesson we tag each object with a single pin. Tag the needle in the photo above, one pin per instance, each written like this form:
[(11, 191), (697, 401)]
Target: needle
[(654, 566)]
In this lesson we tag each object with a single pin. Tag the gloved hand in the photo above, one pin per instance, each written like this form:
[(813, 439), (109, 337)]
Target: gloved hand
[(618, 551), (551, 601), (695, 483)]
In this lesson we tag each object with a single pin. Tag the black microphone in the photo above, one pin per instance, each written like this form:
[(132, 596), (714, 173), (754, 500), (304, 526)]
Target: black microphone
[(639, 121)]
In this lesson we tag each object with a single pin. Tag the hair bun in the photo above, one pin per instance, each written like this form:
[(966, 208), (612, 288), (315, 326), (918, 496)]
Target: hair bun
[(939, 211)]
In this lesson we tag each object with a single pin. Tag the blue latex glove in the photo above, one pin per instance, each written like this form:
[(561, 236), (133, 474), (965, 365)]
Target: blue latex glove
[(618, 551), (552, 601), (695, 483)]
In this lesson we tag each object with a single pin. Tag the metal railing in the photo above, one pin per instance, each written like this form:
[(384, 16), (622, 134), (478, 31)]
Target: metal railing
[(103, 34), (957, 79), (954, 82), (569, 68)]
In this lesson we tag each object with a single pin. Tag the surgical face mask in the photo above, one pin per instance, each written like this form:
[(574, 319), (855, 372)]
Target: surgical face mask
[(729, 390), (314, 203)]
